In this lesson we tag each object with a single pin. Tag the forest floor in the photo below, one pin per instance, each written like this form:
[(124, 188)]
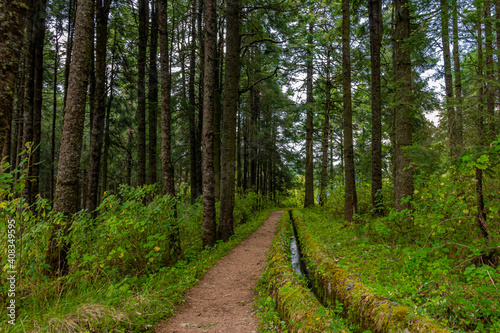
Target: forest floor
[(223, 300)]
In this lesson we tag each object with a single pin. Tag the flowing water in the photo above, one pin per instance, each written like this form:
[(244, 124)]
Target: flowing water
[(295, 256)]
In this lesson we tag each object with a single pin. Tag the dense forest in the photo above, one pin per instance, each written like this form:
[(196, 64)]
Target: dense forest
[(142, 137)]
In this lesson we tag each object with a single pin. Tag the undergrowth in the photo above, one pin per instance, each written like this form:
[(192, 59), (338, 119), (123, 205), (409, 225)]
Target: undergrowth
[(432, 256), (266, 311), (124, 273)]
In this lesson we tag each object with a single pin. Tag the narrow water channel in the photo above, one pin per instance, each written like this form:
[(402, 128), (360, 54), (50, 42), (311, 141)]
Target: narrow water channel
[(295, 256), (298, 263)]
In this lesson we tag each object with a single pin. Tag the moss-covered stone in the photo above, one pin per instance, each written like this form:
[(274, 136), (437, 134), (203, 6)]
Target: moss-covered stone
[(361, 305), (296, 304)]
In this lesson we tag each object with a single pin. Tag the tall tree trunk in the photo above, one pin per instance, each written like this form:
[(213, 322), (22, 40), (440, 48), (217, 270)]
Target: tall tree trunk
[(5, 151), (71, 140), (12, 28), (254, 109), (153, 94), (218, 118), (199, 132), (128, 160), (192, 108), (253, 142), (18, 115), (456, 135), (238, 153), (29, 98), (481, 213), (54, 119), (394, 106), (448, 79), (210, 34), (245, 156), (39, 34), (231, 87), (326, 129), (141, 92), (351, 205), (107, 140), (166, 118), (99, 103), (309, 172), (403, 186), (12, 141), (490, 92), (376, 31), (69, 47), (91, 97)]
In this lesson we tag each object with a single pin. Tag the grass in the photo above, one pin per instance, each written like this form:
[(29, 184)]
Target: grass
[(439, 277), (96, 300)]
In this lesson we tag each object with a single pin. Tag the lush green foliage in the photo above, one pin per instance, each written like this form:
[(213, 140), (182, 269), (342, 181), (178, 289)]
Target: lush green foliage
[(432, 256), (267, 312), (123, 274)]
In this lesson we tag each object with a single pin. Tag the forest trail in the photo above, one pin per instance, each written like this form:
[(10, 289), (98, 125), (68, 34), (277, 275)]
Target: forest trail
[(223, 300)]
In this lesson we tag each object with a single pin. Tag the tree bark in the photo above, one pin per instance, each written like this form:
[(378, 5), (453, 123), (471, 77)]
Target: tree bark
[(210, 39), (166, 119), (351, 205), (490, 92), (403, 187), (128, 159), (309, 172), (376, 31), (252, 137), (231, 93), (153, 94), (29, 99), (39, 34), (448, 79), (99, 102), (245, 156), (69, 47), (238, 153), (456, 135), (71, 141), (54, 118), (199, 132), (141, 92), (11, 30), (107, 140), (218, 118), (192, 108), (18, 115), (326, 130), (481, 213)]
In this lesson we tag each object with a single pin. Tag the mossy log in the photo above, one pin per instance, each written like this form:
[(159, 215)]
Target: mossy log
[(296, 304), (361, 305)]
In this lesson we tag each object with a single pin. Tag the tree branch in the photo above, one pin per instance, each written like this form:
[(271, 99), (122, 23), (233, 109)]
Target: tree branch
[(245, 48), (259, 80)]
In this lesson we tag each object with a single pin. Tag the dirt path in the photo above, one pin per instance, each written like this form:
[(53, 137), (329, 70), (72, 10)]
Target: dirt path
[(222, 301)]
